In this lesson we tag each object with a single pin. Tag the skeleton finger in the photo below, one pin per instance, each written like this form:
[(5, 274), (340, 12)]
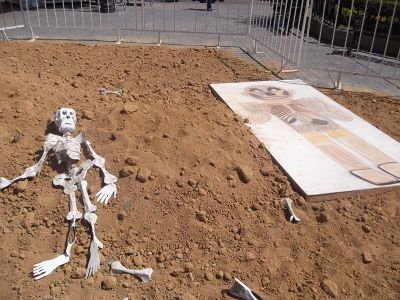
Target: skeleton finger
[(41, 276), (38, 271), (100, 197), (108, 198)]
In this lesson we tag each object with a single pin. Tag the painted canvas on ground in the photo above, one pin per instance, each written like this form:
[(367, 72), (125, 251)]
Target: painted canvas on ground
[(324, 148)]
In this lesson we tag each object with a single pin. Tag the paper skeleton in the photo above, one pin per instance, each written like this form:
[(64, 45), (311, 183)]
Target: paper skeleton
[(315, 120), (67, 150)]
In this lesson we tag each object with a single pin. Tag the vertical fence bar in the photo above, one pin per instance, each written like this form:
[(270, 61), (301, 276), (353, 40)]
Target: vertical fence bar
[(334, 27), (322, 22), (2, 14), (287, 28), (375, 30), (292, 26), (362, 28), (303, 27), (347, 32), (83, 20), (263, 23), (298, 28), (65, 16), (278, 26), (250, 17), (283, 26), (270, 17), (73, 14), (55, 13), (174, 15), (238, 19), (388, 37), (47, 15), (37, 12), (91, 13)]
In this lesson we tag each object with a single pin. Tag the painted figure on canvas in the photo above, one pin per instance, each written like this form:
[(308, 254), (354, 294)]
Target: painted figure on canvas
[(315, 120)]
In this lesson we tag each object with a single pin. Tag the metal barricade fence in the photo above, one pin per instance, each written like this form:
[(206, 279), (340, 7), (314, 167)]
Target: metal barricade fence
[(344, 36), (185, 16), (331, 35)]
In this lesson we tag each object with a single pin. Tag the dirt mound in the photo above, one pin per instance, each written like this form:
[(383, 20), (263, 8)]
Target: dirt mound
[(187, 214)]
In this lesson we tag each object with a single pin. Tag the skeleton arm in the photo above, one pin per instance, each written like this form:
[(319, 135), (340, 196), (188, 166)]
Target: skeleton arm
[(32, 171), (110, 188)]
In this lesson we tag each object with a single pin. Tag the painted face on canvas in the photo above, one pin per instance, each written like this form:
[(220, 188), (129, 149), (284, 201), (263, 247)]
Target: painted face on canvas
[(265, 92)]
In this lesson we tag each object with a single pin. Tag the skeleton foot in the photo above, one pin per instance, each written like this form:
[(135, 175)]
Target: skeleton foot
[(92, 218), (94, 260)]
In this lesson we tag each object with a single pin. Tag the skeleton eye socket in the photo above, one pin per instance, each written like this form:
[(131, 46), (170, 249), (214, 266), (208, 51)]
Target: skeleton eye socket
[(71, 113), (64, 112)]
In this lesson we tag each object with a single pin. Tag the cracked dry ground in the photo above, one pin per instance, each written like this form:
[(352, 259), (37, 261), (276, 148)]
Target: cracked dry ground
[(192, 220)]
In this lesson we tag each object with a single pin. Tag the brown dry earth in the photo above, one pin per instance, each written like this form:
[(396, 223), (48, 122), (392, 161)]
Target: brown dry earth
[(192, 219)]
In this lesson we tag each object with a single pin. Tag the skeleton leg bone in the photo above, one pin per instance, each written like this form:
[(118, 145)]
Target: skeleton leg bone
[(46, 267), (94, 260), (89, 209)]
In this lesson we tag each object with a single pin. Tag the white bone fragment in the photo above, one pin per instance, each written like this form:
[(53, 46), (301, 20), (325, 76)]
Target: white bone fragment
[(104, 92), (287, 204), (239, 289), (144, 275)]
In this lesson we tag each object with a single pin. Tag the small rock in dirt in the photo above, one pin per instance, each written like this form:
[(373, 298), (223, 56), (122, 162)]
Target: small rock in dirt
[(209, 276), (301, 201), (187, 296), (28, 220), (78, 273), (201, 216), (129, 251), (88, 115), (330, 288), (55, 291), (109, 283), (138, 260), (250, 256), (161, 258), (189, 267), (280, 178), (179, 183), (132, 160), (126, 171), (191, 182), (220, 274), (322, 217), (129, 108), (121, 216), (74, 85), (143, 175), (21, 186), (113, 136), (366, 257), (256, 206), (365, 228), (227, 276), (265, 172), (245, 173), (202, 192)]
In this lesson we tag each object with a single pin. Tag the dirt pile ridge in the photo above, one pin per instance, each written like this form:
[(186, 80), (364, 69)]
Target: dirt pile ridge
[(182, 208)]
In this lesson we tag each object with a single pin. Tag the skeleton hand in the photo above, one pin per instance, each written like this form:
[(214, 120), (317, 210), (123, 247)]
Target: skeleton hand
[(106, 192)]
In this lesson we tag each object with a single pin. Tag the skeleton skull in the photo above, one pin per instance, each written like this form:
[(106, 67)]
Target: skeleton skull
[(65, 119)]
